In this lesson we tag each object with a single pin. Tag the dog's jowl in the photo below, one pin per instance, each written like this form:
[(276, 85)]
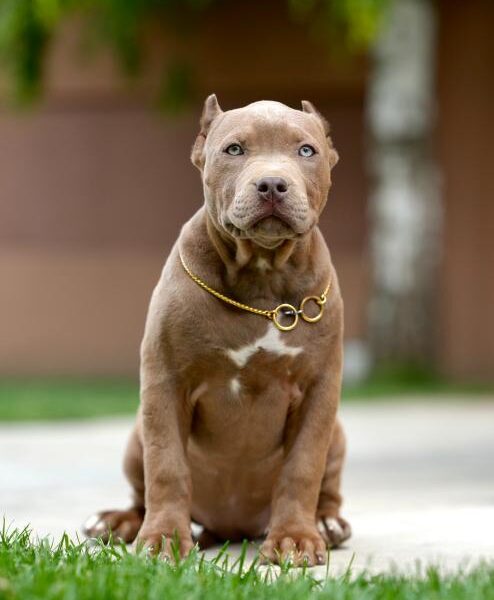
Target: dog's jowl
[(241, 359)]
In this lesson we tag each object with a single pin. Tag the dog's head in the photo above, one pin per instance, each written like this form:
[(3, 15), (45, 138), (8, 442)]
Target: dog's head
[(266, 169)]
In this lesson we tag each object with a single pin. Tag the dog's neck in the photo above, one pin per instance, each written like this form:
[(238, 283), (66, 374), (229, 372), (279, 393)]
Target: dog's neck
[(239, 254)]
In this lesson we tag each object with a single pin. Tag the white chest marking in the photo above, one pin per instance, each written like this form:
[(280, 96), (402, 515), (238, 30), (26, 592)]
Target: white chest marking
[(235, 386), (271, 341)]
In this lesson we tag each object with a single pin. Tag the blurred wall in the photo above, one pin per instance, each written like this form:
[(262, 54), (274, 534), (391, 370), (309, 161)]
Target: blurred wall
[(95, 186), (465, 137)]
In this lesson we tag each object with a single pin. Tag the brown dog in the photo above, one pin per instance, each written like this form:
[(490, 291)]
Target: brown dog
[(237, 426)]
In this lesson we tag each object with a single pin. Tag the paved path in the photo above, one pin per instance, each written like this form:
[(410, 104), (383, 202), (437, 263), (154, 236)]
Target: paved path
[(419, 483)]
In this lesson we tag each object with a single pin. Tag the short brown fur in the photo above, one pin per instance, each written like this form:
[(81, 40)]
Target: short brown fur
[(237, 428)]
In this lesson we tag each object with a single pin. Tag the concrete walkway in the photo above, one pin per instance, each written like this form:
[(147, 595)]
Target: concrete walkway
[(419, 482)]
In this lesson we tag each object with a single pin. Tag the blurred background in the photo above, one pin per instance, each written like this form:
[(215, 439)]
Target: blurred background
[(99, 107)]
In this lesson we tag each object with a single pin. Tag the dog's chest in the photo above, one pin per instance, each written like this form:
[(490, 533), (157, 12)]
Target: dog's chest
[(271, 344), (269, 365), (245, 392)]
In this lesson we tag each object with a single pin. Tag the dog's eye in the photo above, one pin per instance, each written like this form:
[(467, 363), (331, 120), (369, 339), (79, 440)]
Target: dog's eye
[(234, 150), (306, 151)]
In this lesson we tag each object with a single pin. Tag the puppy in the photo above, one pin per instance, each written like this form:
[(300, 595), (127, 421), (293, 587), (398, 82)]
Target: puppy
[(241, 359)]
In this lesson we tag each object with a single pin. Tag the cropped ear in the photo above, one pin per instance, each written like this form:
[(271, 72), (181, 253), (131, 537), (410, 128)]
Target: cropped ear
[(308, 107), (210, 111)]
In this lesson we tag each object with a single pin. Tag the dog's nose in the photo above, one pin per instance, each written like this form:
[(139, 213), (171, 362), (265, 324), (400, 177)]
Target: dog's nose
[(272, 188)]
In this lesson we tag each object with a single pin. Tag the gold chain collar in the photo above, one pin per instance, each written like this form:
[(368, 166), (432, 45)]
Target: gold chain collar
[(286, 310)]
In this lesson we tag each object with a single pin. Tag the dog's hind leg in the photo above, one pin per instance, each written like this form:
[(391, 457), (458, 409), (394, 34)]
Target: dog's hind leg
[(123, 524), (333, 528)]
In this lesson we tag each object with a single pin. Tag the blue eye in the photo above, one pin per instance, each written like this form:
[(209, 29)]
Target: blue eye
[(234, 150), (306, 151)]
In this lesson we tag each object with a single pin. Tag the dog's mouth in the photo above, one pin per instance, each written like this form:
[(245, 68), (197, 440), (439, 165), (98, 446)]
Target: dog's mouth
[(272, 225), (268, 232)]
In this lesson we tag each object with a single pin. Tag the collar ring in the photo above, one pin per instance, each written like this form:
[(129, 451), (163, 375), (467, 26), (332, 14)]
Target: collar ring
[(285, 310), (319, 302)]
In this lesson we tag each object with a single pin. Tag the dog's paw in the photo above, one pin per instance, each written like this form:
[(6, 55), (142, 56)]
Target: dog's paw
[(118, 524), (167, 542), (334, 530), (297, 547)]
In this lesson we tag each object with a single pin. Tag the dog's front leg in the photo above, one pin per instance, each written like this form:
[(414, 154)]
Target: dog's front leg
[(166, 425), (292, 531)]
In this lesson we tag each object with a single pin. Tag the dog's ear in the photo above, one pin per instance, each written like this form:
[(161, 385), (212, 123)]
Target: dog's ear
[(308, 107), (210, 111)]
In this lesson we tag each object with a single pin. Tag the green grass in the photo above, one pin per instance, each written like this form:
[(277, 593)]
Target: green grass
[(50, 399), (399, 383), (24, 400), (40, 570)]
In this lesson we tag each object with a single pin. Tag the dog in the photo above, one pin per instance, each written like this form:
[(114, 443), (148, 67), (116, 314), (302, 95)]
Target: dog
[(241, 359)]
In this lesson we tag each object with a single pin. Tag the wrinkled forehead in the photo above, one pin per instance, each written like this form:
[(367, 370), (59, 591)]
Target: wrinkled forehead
[(267, 121)]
